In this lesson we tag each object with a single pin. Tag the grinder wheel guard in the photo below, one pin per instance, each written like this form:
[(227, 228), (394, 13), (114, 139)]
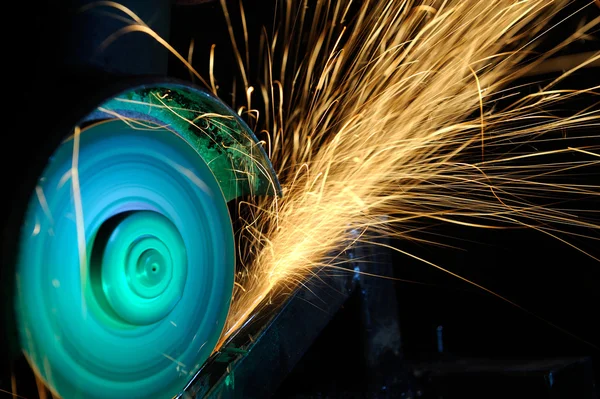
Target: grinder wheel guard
[(126, 261)]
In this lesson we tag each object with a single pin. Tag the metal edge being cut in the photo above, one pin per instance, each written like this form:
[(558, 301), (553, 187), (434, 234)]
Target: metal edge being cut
[(258, 357), (257, 360)]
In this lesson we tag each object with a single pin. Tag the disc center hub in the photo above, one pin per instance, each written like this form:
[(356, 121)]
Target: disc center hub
[(143, 268)]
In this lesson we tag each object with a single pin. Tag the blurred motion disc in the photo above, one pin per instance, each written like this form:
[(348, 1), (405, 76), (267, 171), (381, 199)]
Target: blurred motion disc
[(126, 265)]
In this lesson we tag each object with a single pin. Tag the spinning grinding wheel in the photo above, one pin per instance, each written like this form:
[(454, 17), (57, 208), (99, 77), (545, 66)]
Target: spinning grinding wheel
[(125, 263)]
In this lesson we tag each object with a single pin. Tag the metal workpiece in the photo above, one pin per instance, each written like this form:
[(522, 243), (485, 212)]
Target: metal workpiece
[(544, 378), (255, 361), (382, 346)]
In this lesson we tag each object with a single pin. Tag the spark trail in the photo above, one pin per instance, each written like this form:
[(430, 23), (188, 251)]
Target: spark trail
[(400, 112), (392, 116)]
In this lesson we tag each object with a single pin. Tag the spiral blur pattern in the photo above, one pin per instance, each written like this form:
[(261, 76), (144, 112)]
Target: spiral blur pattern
[(143, 311)]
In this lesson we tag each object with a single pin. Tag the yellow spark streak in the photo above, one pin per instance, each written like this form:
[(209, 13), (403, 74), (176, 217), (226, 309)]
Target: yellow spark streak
[(115, 5), (380, 124), (41, 387), (13, 386), (81, 244), (375, 118), (584, 152), (211, 68), (190, 57), (237, 52), (145, 29), (14, 395)]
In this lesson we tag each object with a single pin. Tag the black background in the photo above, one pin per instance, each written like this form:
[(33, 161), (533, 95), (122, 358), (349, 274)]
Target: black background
[(549, 279)]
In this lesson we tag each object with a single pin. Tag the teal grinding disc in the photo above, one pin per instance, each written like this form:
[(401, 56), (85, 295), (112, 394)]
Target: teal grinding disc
[(125, 266)]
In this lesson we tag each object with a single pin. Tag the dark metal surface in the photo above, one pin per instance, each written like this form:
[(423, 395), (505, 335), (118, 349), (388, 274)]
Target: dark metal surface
[(298, 352), (557, 378), (264, 352), (379, 316)]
